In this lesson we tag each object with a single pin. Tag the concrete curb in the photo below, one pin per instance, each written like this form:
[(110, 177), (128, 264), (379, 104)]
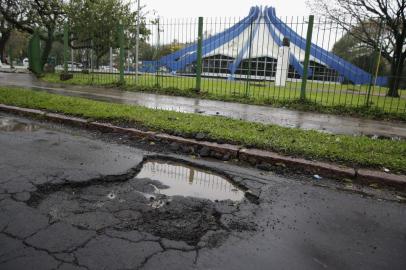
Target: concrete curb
[(226, 151)]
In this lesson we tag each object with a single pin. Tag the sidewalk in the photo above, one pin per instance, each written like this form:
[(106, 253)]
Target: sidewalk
[(262, 114)]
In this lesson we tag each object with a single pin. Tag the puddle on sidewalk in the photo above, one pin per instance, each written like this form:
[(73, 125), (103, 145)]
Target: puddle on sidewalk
[(189, 181), (12, 125)]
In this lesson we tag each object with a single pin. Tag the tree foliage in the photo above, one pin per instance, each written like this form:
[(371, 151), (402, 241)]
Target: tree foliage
[(94, 24), (44, 16), (358, 53), (379, 25)]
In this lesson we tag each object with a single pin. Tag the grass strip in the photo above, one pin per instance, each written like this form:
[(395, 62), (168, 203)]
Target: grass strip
[(344, 149), (330, 98)]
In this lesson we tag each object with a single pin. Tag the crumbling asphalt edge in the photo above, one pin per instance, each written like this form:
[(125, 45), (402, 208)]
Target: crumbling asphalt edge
[(261, 158)]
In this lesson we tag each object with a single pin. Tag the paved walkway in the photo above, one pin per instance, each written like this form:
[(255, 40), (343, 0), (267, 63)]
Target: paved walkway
[(263, 114)]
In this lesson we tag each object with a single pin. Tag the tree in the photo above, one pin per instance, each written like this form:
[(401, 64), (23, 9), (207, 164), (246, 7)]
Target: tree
[(386, 17), (44, 16), (356, 52), (93, 24), (18, 43), (5, 33), (149, 52)]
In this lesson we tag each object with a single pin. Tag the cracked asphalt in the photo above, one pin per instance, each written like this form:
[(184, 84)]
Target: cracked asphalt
[(70, 199)]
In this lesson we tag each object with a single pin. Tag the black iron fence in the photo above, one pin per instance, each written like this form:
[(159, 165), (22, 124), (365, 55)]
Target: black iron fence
[(260, 58)]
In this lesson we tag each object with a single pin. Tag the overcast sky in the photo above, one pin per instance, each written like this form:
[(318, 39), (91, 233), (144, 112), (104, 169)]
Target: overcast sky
[(223, 8)]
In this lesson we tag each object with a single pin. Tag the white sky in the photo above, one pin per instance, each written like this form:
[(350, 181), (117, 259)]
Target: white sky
[(287, 10), (221, 8)]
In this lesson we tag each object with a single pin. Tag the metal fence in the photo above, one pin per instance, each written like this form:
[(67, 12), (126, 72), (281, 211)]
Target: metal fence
[(262, 59)]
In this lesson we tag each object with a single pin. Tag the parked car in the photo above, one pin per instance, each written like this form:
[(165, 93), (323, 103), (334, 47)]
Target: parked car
[(74, 65), (108, 69)]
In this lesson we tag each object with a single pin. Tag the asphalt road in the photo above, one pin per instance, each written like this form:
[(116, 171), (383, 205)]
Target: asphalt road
[(69, 200)]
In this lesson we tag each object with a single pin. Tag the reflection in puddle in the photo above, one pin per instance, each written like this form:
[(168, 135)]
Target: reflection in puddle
[(189, 181), (12, 125)]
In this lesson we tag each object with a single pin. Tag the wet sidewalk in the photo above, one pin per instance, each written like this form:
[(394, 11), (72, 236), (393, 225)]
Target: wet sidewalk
[(262, 114)]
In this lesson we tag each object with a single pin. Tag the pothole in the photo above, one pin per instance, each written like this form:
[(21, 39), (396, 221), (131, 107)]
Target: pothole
[(145, 202), (180, 179), (12, 125)]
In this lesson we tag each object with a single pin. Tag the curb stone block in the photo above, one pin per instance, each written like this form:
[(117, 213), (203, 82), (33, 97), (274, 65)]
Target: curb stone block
[(370, 176), (59, 118), (216, 150), (105, 127), (20, 111), (261, 156)]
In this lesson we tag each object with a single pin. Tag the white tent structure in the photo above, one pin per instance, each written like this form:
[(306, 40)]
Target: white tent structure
[(261, 46)]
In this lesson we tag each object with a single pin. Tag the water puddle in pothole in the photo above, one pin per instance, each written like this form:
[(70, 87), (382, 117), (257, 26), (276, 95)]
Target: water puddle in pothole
[(12, 125), (189, 181)]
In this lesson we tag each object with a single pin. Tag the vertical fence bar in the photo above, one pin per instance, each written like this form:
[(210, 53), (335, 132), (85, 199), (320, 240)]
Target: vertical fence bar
[(121, 44), (199, 55), (307, 57), (65, 48), (156, 56)]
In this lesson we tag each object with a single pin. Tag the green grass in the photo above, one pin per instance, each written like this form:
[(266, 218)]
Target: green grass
[(349, 150), (321, 97)]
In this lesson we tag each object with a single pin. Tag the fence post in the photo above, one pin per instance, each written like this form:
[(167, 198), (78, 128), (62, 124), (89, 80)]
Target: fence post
[(121, 44), (307, 57), (199, 55), (35, 54), (65, 48)]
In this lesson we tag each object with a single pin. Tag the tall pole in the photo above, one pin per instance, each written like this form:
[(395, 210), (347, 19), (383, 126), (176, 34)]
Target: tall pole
[(65, 48), (307, 57), (71, 50), (156, 53), (121, 43), (199, 55), (111, 59), (137, 45)]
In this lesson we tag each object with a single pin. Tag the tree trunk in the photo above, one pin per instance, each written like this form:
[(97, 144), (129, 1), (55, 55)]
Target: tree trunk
[(46, 51), (396, 72), (395, 79), (3, 40), (47, 48), (97, 61)]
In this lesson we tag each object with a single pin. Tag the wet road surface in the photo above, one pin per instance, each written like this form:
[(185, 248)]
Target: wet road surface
[(72, 199), (262, 114)]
